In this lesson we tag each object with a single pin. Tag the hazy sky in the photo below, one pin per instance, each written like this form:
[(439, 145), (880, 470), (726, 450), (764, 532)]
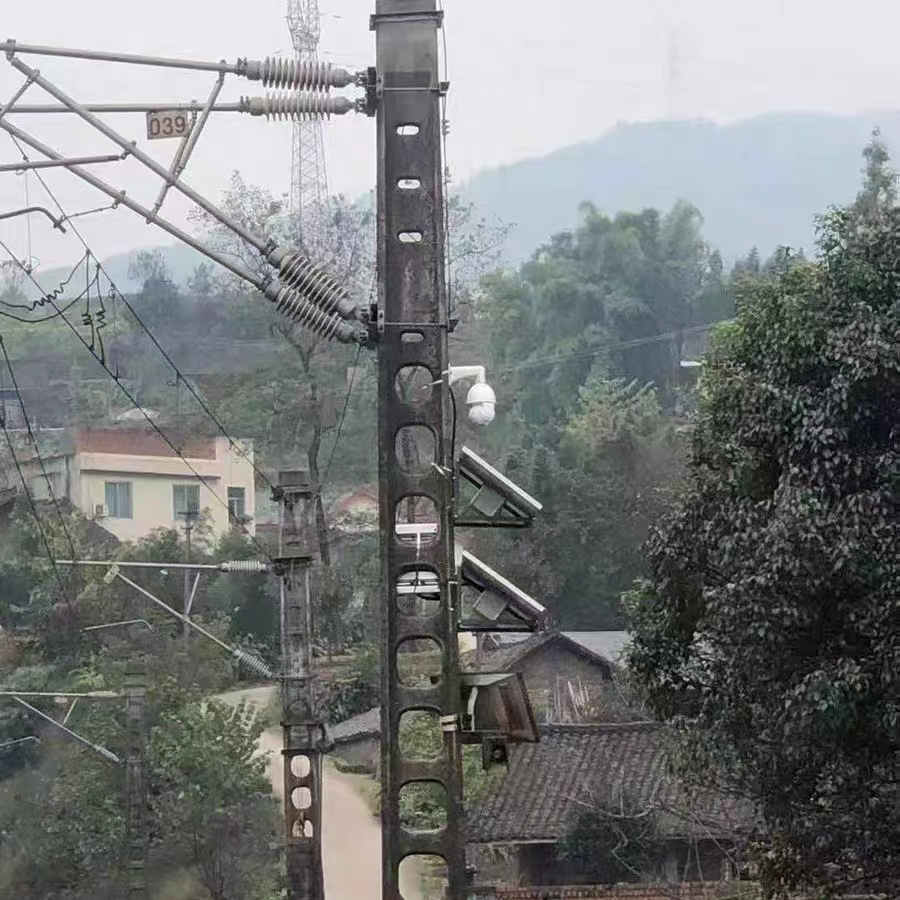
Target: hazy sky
[(526, 78)]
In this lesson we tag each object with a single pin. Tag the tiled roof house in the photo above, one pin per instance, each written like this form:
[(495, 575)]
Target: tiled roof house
[(623, 766)]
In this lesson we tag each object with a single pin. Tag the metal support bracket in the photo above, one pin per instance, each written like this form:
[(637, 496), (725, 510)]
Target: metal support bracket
[(57, 223), (73, 161), (139, 155), (189, 142)]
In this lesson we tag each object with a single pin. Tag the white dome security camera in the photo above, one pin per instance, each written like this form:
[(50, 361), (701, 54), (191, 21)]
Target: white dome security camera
[(482, 403)]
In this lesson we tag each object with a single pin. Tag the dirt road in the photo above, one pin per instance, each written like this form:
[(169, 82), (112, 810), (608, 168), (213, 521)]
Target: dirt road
[(351, 835)]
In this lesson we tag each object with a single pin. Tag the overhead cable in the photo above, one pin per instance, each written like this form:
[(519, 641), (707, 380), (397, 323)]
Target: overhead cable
[(46, 296), (604, 348), (133, 400), (337, 437), (291, 299), (203, 405)]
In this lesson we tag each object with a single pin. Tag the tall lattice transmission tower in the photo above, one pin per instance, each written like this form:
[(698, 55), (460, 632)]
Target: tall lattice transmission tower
[(309, 181)]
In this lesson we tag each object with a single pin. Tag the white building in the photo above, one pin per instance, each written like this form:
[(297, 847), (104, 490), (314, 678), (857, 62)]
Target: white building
[(129, 479)]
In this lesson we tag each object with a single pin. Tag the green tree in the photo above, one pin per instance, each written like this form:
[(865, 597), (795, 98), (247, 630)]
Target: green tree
[(159, 302), (611, 474), (770, 624), (211, 794), (879, 178), (62, 824), (63, 827), (611, 840), (302, 389), (358, 689), (611, 280), (585, 342)]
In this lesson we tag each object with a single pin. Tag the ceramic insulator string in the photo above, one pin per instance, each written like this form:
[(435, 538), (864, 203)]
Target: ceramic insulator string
[(294, 305), (297, 106), (298, 74)]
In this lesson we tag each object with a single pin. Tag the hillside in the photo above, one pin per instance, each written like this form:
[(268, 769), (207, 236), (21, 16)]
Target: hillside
[(181, 260), (758, 182)]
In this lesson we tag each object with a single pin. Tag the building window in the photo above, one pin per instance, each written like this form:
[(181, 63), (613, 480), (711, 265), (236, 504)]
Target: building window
[(187, 500), (237, 503), (118, 499), (12, 413)]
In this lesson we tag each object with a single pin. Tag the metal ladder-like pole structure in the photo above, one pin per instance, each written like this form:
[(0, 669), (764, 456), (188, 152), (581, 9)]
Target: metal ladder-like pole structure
[(304, 733), (136, 782), (413, 324), (309, 183)]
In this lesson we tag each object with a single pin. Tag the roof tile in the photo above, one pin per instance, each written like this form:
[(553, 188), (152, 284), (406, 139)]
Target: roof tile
[(572, 765)]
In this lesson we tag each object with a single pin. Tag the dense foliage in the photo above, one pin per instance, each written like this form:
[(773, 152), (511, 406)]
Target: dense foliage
[(586, 341), (612, 842), (770, 623), (768, 619), (210, 820)]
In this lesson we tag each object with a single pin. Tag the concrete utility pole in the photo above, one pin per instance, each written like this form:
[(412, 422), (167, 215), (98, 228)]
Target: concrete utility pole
[(185, 628), (190, 519), (136, 783), (304, 733), (414, 325)]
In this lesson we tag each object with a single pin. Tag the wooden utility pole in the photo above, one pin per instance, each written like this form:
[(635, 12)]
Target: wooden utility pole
[(413, 326), (304, 734)]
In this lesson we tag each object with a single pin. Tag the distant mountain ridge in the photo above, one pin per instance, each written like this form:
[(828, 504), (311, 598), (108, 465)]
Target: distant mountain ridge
[(757, 182), (180, 259)]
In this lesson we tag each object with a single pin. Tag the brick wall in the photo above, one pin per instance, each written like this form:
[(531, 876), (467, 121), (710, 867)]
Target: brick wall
[(686, 891), (141, 441)]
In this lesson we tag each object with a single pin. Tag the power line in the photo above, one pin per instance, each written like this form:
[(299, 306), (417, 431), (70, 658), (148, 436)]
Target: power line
[(603, 348), (58, 291), (179, 376), (29, 321), (133, 400), (28, 218), (340, 427), (203, 405), (86, 212)]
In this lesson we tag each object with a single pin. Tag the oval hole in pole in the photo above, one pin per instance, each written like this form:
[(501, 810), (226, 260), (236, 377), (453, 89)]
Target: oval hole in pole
[(408, 129), (420, 736), (418, 592), (414, 385), (423, 806), (428, 872), (409, 184), (412, 337), (418, 662), (417, 523), (416, 449), (411, 237)]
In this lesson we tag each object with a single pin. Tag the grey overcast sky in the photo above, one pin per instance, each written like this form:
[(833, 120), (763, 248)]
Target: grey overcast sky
[(527, 77)]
